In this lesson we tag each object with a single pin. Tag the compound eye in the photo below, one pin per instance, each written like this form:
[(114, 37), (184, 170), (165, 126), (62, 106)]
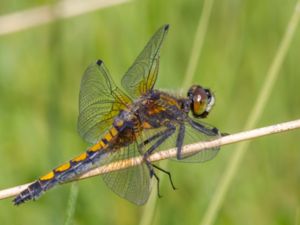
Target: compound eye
[(199, 101)]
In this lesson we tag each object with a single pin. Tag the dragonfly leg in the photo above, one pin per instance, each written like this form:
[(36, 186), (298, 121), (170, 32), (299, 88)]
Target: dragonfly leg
[(150, 139), (152, 173), (162, 137), (179, 141), (206, 130), (224, 134), (168, 173)]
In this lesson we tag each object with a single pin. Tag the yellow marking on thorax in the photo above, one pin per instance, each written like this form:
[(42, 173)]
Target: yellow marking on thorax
[(156, 110), (63, 167), (80, 157), (146, 125), (48, 176), (170, 100)]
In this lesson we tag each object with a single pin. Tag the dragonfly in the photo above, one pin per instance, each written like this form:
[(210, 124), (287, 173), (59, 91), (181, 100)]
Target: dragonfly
[(135, 122)]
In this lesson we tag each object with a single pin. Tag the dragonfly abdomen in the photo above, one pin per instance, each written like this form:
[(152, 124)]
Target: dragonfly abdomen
[(69, 170), (61, 174)]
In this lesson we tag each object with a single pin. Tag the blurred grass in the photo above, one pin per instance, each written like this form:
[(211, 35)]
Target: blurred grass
[(40, 72)]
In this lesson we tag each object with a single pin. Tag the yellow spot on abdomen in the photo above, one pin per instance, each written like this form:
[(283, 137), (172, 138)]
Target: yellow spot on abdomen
[(63, 167), (113, 131), (108, 137), (80, 157), (97, 147), (48, 176), (119, 122)]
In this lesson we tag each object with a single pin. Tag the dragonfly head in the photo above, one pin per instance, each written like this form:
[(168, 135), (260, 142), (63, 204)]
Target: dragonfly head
[(201, 101)]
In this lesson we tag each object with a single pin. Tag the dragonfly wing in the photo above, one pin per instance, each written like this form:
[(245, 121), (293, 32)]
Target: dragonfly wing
[(132, 183), (204, 132), (100, 100), (141, 76)]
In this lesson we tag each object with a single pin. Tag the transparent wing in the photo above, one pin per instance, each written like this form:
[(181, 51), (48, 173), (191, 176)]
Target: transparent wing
[(191, 135), (133, 183), (100, 100), (141, 76)]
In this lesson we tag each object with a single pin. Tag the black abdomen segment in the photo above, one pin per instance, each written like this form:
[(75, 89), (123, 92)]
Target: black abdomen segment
[(33, 191)]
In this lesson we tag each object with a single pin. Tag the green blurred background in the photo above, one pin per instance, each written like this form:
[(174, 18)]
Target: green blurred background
[(40, 72)]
